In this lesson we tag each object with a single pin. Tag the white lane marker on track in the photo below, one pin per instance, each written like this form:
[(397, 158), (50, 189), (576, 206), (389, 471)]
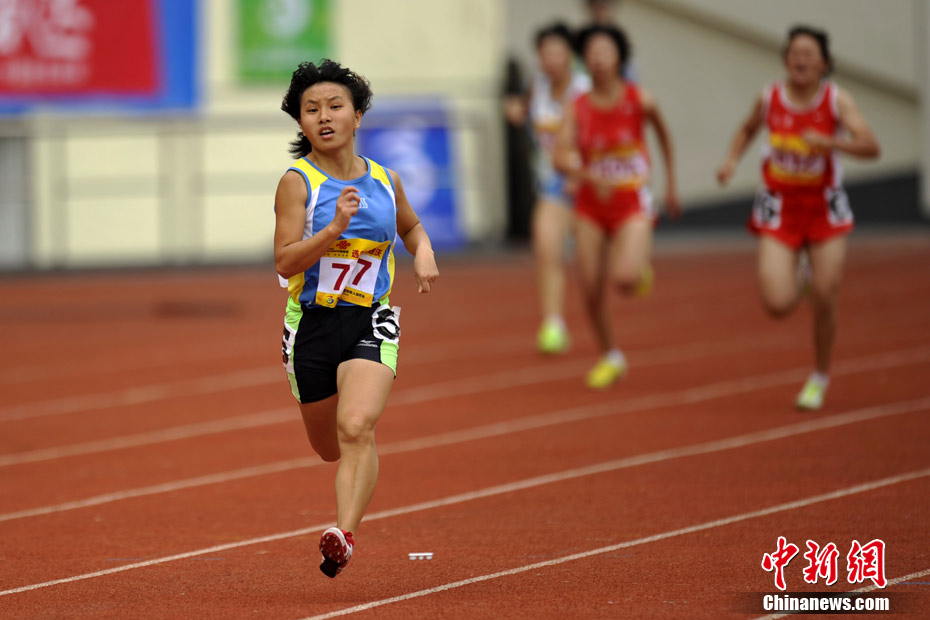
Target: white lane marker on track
[(446, 389), (663, 455), (862, 488), (174, 433), (142, 394), (265, 376), (518, 377), (625, 406), (167, 487)]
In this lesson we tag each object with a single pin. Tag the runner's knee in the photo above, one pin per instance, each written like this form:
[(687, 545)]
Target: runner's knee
[(626, 280), (823, 299), (778, 306), (325, 446), (356, 428), (592, 296)]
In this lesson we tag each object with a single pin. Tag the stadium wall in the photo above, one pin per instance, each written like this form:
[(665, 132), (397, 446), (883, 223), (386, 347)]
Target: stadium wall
[(155, 188)]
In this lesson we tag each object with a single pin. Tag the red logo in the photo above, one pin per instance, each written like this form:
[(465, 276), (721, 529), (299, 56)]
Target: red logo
[(77, 47), (867, 562), (820, 563), (344, 244), (863, 562), (778, 560)]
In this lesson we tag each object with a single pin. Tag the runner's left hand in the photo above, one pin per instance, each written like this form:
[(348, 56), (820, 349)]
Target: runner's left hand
[(817, 139), (672, 205), (425, 270)]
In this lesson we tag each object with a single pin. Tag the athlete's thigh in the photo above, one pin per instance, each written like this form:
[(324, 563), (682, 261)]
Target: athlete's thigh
[(777, 269), (828, 259), (551, 223), (631, 247), (364, 387), (590, 250)]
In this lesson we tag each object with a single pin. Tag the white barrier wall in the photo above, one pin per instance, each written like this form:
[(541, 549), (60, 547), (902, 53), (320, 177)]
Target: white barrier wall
[(187, 190)]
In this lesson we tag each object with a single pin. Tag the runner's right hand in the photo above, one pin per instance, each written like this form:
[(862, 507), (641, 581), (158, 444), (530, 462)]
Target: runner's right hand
[(725, 172), (346, 207)]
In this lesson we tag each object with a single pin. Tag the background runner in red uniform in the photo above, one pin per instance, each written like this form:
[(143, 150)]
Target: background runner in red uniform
[(602, 145), (802, 205)]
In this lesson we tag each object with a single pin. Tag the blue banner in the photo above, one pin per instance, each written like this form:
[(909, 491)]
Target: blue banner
[(413, 138)]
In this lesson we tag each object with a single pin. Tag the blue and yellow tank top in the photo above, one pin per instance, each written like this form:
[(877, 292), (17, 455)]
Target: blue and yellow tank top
[(358, 268)]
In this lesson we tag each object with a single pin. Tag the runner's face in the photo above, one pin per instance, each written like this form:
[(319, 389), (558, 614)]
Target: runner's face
[(555, 57), (804, 61), (601, 57), (327, 117)]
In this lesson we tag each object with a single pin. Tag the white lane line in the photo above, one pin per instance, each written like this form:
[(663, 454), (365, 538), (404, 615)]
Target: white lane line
[(443, 389), (566, 370), (599, 468), (264, 376), (861, 488), (891, 582), (477, 433), (157, 355), (156, 358), (167, 487), (143, 394), (895, 581), (618, 407), (174, 433)]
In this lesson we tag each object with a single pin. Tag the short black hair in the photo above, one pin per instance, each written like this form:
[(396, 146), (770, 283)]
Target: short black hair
[(306, 75), (615, 33), (555, 29), (821, 36)]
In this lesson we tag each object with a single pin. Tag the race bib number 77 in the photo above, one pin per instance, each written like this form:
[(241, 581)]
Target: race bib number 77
[(349, 271)]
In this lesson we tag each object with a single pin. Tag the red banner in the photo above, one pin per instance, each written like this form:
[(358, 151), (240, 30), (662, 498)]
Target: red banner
[(72, 47)]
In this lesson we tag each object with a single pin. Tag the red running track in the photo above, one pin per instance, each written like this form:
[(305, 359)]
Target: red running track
[(153, 464)]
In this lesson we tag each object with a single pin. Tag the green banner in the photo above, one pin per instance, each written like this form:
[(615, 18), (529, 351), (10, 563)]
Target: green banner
[(275, 35)]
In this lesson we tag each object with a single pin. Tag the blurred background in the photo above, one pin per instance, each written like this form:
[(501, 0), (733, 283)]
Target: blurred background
[(149, 132)]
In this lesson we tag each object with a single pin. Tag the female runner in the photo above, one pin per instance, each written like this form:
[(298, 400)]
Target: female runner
[(614, 211), (337, 217), (802, 206), (556, 85)]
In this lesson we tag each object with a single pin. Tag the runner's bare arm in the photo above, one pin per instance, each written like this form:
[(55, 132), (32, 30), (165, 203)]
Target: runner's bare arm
[(415, 239), (292, 253), (565, 156), (567, 160), (860, 142), (744, 135), (652, 112)]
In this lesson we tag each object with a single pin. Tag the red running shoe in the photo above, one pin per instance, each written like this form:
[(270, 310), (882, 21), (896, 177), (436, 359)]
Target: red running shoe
[(336, 547)]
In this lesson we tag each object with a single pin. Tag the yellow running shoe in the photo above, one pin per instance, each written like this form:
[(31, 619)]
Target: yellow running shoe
[(811, 396), (552, 338), (646, 280), (605, 373)]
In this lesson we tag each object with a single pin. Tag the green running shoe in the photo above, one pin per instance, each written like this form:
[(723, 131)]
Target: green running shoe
[(811, 396), (552, 338)]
